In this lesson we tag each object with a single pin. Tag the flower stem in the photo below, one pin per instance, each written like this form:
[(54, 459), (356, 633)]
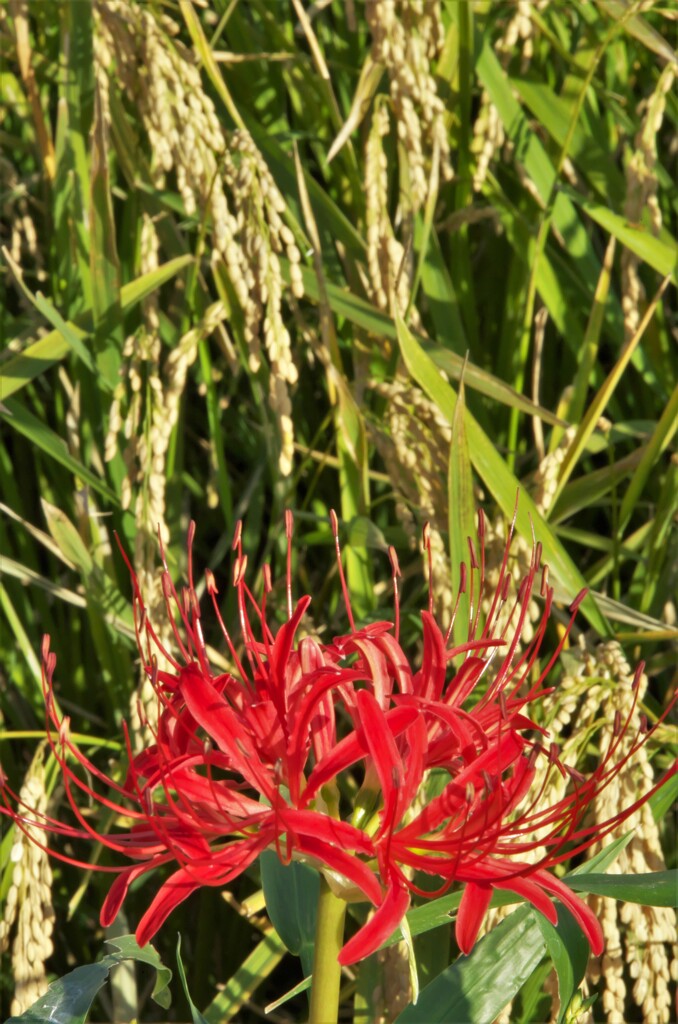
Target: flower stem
[(329, 938)]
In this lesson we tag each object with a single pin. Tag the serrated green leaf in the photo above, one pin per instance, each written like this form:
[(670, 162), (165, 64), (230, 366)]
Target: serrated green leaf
[(129, 949), (68, 1000)]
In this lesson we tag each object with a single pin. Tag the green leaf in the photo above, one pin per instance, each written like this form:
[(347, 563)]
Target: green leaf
[(658, 254), (637, 26), (357, 311), (441, 296), (196, 1015), (70, 333), (38, 357), (363, 533), (51, 444), (460, 504), (296, 990), (476, 988), (654, 889), (103, 255), (664, 799), (129, 949), (498, 478), (68, 1000), (531, 153), (602, 860), (569, 950), (254, 970), (661, 438), (69, 541), (291, 893), (554, 113)]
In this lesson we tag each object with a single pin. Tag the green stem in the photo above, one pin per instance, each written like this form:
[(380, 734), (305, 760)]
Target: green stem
[(329, 938)]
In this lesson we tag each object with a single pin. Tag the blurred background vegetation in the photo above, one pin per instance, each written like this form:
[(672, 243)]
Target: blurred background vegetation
[(399, 258)]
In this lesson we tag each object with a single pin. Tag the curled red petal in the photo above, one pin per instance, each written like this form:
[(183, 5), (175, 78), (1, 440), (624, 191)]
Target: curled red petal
[(174, 891), (583, 915), (379, 927), (118, 891), (533, 893), (474, 903)]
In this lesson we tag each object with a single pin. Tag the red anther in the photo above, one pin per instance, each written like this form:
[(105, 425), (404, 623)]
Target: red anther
[(64, 729), (644, 725), (462, 578), (3, 778), (554, 751), (237, 535), (207, 746), (141, 714), (505, 588), (166, 582), (394, 561), (470, 792), (344, 589), (472, 553), (490, 782), (210, 582), (190, 536), (535, 753), (544, 580), (537, 555), (426, 535), (239, 570), (575, 774), (503, 706), (266, 572), (578, 600), (142, 619), (616, 728), (195, 604), (289, 524), (45, 647), (638, 674)]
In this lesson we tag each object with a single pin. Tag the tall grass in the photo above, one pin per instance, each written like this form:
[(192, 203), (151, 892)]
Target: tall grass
[(205, 317)]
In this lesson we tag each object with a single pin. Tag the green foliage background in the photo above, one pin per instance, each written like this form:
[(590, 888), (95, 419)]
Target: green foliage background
[(567, 240)]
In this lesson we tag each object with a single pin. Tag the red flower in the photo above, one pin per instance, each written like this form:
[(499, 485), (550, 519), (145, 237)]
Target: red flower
[(250, 760)]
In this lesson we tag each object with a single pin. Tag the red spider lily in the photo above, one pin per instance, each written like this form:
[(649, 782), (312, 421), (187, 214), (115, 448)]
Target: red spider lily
[(252, 759)]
